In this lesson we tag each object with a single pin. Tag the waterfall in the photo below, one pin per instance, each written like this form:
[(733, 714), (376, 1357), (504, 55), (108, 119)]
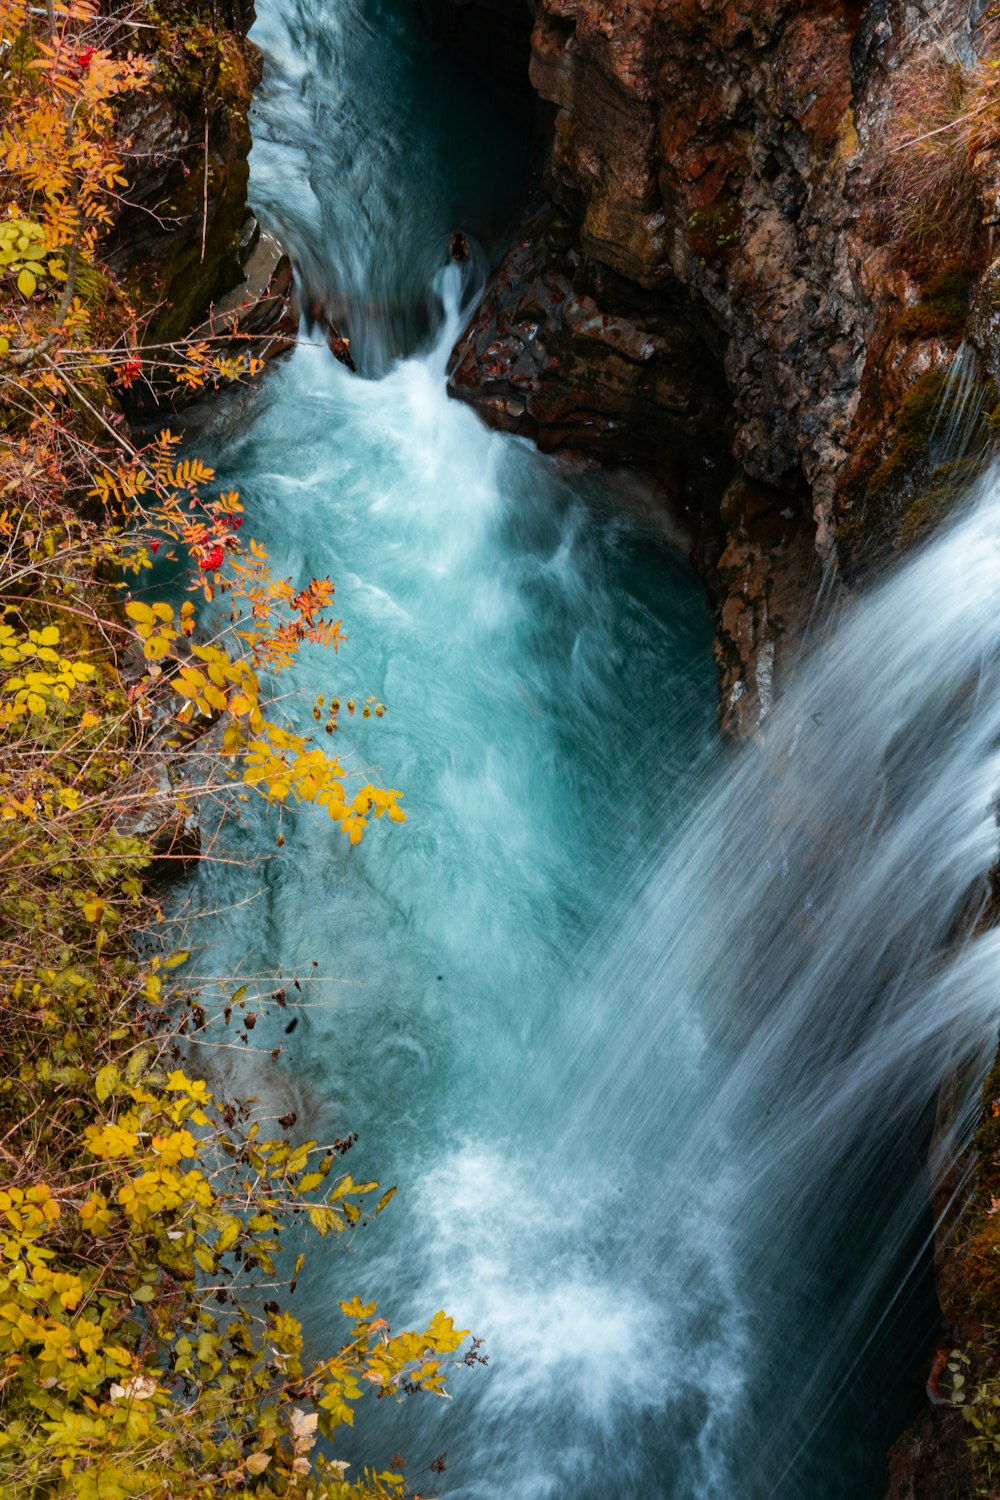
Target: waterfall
[(650, 1038), (371, 148), (815, 925)]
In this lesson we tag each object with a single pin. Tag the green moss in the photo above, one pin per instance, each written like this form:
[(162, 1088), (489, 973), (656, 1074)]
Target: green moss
[(188, 282), (943, 308), (981, 1249), (205, 63), (711, 230), (208, 70), (908, 493), (850, 538), (914, 421), (947, 485)]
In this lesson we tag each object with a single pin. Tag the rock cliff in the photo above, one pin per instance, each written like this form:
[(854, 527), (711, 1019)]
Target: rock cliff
[(760, 238), (185, 239)]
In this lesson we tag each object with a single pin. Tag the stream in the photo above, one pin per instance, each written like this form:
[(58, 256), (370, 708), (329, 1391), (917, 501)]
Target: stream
[(650, 1037)]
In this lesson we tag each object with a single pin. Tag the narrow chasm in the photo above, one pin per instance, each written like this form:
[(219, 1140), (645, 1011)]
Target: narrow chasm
[(493, 34), (568, 682), (378, 150)]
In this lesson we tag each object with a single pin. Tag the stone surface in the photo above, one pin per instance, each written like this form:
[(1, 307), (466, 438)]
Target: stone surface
[(715, 284), (766, 579), (185, 235), (185, 143), (159, 809), (159, 237), (258, 317), (162, 815), (544, 359)]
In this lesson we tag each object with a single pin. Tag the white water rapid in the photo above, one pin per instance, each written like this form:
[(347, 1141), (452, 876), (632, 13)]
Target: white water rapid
[(650, 1038)]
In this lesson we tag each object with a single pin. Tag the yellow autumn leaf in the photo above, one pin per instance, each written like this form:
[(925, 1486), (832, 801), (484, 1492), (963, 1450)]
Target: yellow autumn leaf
[(106, 1082)]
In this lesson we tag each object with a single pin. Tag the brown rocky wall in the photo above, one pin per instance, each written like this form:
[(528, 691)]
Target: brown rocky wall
[(715, 286), (185, 238)]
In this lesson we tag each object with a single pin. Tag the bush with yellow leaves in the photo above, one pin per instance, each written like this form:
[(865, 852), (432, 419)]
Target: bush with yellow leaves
[(137, 1213)]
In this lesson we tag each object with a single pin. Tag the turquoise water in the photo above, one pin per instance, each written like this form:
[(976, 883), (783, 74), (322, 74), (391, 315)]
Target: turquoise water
[(650, 1038), (551, 710), (371, 148)]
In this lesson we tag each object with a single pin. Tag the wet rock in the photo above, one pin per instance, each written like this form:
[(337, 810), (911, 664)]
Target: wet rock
[(639, 386), (180, 233), (184, 234), (160, 808), (258, 316), (717, 283), (766, 580), (163, 814)]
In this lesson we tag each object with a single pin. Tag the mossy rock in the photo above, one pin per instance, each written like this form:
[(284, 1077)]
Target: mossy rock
[(206, 74), (915, 419), (203, 62), (712, 230), (981, 1251), (909, 493), (943, 308), (947, 486), (188, 281)]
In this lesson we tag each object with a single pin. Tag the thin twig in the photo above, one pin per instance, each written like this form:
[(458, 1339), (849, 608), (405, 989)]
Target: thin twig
[(204, 205)]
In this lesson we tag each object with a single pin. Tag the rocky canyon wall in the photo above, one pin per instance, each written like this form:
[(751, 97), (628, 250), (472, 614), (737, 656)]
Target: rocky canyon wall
[(185, 241), (747, 275)]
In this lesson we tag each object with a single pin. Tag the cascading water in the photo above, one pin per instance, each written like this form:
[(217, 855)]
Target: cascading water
[(370, 149), (649, 1039)]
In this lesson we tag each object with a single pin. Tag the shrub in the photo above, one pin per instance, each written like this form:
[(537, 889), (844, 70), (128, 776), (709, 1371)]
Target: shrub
[(138, 1213)]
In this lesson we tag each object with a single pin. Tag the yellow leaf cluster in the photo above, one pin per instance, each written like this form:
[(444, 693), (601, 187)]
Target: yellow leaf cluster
[(138, 1214)]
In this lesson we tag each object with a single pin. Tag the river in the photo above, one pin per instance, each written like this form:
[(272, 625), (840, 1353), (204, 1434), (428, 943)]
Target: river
[(649, 1037)]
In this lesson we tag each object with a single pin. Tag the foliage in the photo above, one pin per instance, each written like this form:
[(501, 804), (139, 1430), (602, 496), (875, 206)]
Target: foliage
[(943, 129), (121, 1377), (929, 193), (201, 58), (712, 230), (140, 1218), (943, 308)]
